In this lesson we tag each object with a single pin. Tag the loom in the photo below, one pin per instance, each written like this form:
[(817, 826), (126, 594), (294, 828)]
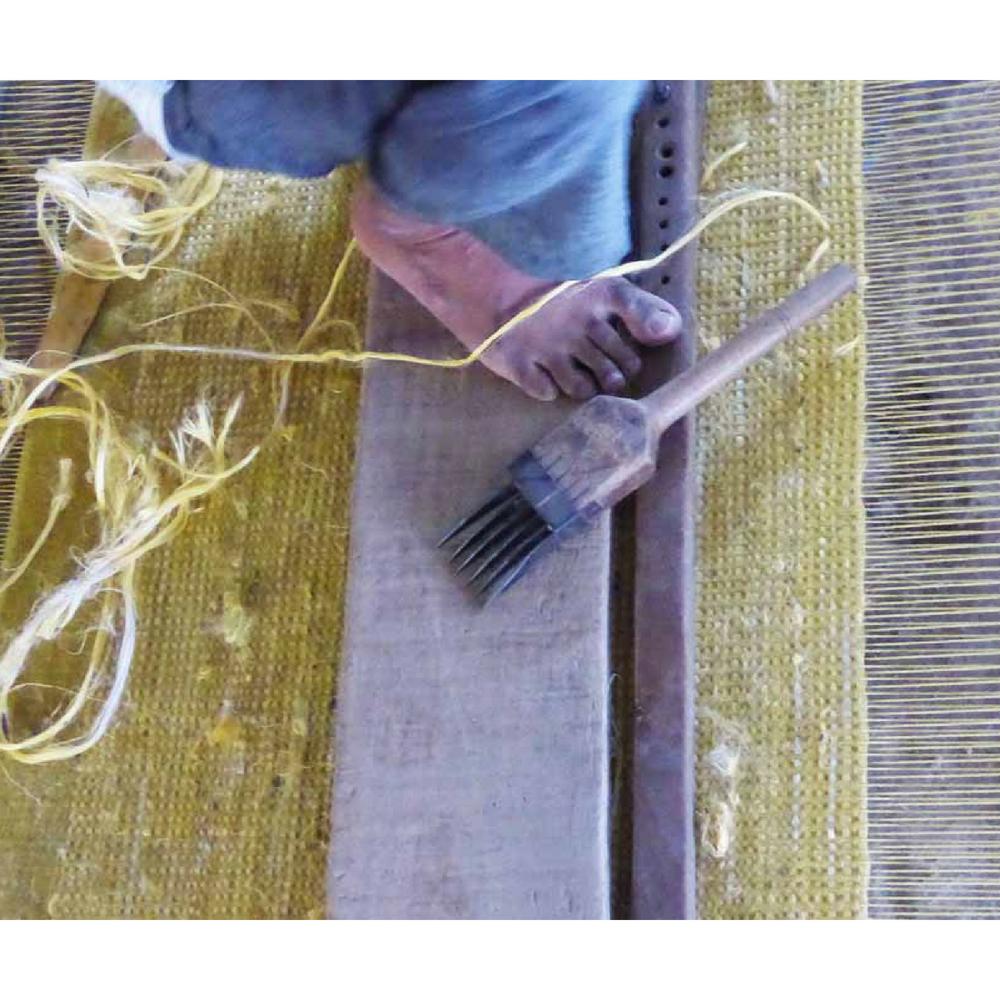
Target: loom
[(767, 689)]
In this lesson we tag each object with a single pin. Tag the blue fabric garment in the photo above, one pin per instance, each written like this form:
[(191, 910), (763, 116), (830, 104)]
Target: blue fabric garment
[(538, 170)]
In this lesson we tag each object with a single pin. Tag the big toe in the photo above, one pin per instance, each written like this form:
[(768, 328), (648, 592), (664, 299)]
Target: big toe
[(664, 324), (649, 319)]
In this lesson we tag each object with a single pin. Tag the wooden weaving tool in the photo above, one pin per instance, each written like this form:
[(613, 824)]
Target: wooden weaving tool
[(607, 450)]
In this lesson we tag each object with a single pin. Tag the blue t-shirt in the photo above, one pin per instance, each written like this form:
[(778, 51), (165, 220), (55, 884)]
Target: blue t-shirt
[(536, 169)]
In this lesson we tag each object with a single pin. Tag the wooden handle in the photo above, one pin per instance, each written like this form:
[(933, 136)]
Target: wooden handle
[(76, 300), (685, 392)]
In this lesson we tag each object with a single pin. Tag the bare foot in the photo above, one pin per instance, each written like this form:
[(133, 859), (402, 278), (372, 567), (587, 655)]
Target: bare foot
[(569, 345)]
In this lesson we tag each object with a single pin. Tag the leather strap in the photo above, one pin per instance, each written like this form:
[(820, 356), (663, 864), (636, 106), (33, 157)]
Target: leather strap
[(667, 166)]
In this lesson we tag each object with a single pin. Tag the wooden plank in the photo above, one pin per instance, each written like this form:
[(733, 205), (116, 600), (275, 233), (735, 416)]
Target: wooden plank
[(668, 162), (472, 745)]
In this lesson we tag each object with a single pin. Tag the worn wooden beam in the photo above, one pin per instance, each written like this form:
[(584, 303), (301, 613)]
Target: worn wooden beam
[(472, 744), (667, 166)]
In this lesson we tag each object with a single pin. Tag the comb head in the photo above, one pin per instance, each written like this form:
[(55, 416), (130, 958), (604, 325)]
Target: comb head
[(605, 451), (492, 548), (602, 453)]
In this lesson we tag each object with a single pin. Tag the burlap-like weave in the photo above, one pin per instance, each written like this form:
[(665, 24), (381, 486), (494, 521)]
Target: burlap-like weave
[(781, 715), (210, 796)]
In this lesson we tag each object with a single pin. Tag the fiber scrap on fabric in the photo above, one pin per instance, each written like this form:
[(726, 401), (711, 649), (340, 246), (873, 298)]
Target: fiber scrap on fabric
[(780, 698)]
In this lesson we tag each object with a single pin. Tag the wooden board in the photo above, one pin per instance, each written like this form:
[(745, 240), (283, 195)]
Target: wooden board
[(472, 745)]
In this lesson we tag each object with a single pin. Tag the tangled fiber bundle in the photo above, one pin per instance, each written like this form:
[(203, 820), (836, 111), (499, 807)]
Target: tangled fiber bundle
[(143, 496), (133, 212)]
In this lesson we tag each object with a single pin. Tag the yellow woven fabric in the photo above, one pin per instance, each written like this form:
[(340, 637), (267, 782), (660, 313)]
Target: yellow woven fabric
[(781, 715), (210, 797)]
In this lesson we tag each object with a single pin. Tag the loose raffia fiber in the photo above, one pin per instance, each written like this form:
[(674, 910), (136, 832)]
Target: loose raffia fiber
[(210, 795), (780, 693), (107, 201)]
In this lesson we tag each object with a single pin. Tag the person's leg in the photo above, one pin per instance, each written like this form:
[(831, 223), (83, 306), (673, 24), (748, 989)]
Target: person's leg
[(555, 204), (569, 345)]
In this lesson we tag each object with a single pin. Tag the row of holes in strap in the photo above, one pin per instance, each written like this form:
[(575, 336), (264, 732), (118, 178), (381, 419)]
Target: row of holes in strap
[(665, 168)]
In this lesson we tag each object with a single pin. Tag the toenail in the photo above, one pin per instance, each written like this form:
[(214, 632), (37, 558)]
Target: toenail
[(666, 324)]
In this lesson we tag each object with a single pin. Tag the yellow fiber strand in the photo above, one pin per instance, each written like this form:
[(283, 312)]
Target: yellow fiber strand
[(818, 254), (729, 204), (721, 160), (60, 499), (98, 196), (317, 324)]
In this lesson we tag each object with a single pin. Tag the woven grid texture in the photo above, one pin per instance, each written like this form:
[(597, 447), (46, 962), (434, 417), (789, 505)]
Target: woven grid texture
[(781, 714), (210, 797), (932, 482)]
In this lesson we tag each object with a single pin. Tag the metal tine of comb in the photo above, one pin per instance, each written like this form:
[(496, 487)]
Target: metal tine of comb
[(498, 549), (509, 516), (513, 567), (498, 555), (504, 496), (487, 527)]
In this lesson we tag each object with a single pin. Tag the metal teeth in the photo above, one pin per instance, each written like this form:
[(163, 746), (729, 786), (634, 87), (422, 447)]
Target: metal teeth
[(495, 532), (495, 556), (513, 566), (495, 501), (493, 546)]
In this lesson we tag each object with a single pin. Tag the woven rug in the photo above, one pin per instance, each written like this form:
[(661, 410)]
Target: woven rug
[(781, 714), (210, 796)]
